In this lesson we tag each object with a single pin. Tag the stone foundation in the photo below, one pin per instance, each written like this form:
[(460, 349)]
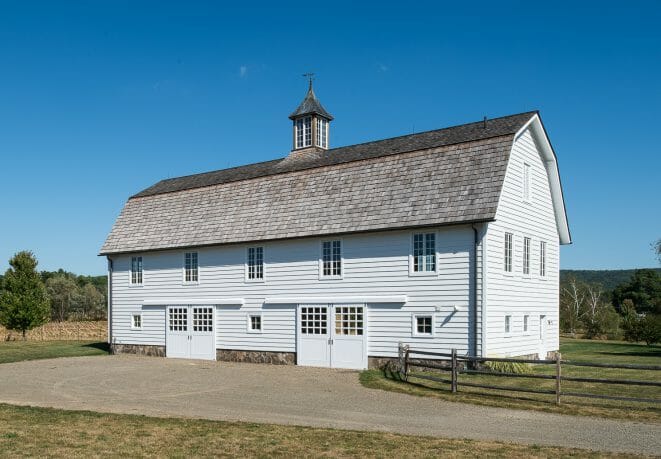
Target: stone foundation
[(139, 349), (273, 358)]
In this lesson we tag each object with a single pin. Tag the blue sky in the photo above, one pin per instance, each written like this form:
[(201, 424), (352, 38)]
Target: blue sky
[(99, 100)]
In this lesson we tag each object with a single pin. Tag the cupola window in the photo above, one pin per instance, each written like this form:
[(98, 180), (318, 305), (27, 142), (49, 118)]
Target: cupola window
[(304, 132)]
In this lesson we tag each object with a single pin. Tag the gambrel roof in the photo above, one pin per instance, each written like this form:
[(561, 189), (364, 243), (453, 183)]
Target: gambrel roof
[(440, 177)]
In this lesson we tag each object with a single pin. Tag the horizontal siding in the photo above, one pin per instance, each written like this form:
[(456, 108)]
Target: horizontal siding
[(374, 264), (514, 293)]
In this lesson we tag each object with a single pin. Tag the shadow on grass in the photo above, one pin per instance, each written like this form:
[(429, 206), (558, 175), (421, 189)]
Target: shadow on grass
[(100, 346)]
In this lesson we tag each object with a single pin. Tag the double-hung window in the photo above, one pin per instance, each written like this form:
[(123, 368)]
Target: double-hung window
[(526, 255), (191, 269), (509, 243), (304, 132), (331, 258), (542, 258), (255, 263), (424, 252), (322, 133), (136, 271)]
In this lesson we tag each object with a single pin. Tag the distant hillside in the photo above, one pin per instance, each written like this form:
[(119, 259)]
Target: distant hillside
[(608, 278)]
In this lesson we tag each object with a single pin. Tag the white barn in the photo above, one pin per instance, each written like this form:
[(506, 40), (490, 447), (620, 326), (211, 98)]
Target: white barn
[(331, 257)]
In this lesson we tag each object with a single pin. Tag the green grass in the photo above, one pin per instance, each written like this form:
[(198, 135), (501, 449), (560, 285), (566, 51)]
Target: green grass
[(572, 349), (27, 432), (16, 351)]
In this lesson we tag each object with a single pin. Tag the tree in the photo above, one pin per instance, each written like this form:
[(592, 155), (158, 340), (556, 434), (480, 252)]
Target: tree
[(24, 303), (64, 295), (91, 303), (656, 246), (644, 290), (572, 301)]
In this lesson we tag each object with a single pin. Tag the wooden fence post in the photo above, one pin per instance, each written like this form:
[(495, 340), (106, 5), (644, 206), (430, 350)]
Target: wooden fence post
[(454, 371), (558, 373)]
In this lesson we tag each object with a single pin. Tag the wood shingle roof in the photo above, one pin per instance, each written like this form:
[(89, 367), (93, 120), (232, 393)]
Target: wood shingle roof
[(439, 177)]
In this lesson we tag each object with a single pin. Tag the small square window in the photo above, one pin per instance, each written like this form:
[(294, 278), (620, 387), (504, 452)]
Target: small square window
[(423, 325), (254, 323), (508, 324), (136, 321)]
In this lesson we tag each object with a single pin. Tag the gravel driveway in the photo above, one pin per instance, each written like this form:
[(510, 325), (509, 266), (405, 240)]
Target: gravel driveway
[(295, 395)]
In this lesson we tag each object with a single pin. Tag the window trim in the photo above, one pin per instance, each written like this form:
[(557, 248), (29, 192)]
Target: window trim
[(183, 279), (133, 316), (509, 271), (321, 260), (414, 324), (247, 267), (130, 271), (249, 317), (303, 132), (412, 271), (508, 325), (527, 330), (543, 265), (526, 191)]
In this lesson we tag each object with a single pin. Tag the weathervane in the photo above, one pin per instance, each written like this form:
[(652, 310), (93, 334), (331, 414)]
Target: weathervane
[(310, 77)]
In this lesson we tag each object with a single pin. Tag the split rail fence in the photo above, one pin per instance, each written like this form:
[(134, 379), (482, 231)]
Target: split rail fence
[(456, 364)]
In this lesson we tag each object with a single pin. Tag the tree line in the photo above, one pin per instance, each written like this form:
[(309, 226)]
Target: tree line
[(29, 298)]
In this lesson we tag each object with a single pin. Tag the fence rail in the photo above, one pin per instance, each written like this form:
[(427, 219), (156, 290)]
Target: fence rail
[(462, 364)]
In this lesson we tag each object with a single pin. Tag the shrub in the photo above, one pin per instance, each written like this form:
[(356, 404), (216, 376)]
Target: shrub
[(509, 367)]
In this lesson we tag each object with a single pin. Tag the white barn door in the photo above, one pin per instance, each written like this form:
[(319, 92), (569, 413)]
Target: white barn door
[(190, 332), (331, 335)]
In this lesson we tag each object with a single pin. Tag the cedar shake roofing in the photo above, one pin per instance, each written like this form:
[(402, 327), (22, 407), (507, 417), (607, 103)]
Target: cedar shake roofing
[(309, 106), (441, 177)]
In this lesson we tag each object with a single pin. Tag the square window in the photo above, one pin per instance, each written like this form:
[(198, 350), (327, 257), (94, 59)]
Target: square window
[(423, 325), (136, 321), (255, 323)]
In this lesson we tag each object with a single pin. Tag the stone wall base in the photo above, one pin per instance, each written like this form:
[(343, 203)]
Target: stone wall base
[(139, 349), (274, 358)]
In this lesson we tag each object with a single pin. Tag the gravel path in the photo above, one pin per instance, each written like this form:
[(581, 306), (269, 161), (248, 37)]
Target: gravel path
[(295, 395)]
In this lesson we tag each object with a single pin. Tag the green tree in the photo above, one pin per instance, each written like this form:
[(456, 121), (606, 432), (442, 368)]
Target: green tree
[(64, 295), (91, 303), (23, 302), (644, 290), (656, 246)]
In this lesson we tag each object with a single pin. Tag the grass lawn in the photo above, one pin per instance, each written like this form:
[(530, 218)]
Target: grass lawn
[(15, 351), (27, 431), (572, 349)]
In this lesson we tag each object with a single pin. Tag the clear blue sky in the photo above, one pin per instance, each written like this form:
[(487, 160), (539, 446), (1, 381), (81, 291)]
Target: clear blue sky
[(99, 100)]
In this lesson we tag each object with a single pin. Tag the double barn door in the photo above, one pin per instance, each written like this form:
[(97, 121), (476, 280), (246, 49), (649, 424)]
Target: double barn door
[(332, 335), (190, 332)]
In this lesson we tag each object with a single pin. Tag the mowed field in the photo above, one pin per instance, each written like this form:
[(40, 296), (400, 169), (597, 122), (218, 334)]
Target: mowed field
[(17, 351), (572, 349)]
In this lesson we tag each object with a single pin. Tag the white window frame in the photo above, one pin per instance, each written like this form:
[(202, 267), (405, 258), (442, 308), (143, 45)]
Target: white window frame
[(247, 264), (142, 273), (412, 271), (508, 256), (542, 259), (197, 268), (527, 183), (414, 325), (508, 325), (322, 276), (249, 317), (526, 324), (303, 132), (526, 255), (133, 316), (322, 132)]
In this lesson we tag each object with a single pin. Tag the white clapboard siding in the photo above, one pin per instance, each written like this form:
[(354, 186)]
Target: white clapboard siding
[(373, 264), (514, 293)]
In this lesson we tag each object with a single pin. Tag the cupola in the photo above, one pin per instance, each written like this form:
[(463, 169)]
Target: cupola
[(311, 123)]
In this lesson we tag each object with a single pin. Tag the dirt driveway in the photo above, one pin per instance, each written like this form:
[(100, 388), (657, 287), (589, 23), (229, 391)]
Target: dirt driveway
[(294, 395)]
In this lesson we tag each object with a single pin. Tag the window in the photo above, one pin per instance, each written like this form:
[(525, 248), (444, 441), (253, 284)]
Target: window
[(255, 263), (190, 267), (424, 252), (136, 321), (136, 270), (526, 255), (423, 325), (508, 252), (322, 133), (314, 320), (542, 258), (349, 320), (508, 324), (331, 259), (303, 132), (203, 319), (525, 323), (526, 182), (254, 323), (178, 319)]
